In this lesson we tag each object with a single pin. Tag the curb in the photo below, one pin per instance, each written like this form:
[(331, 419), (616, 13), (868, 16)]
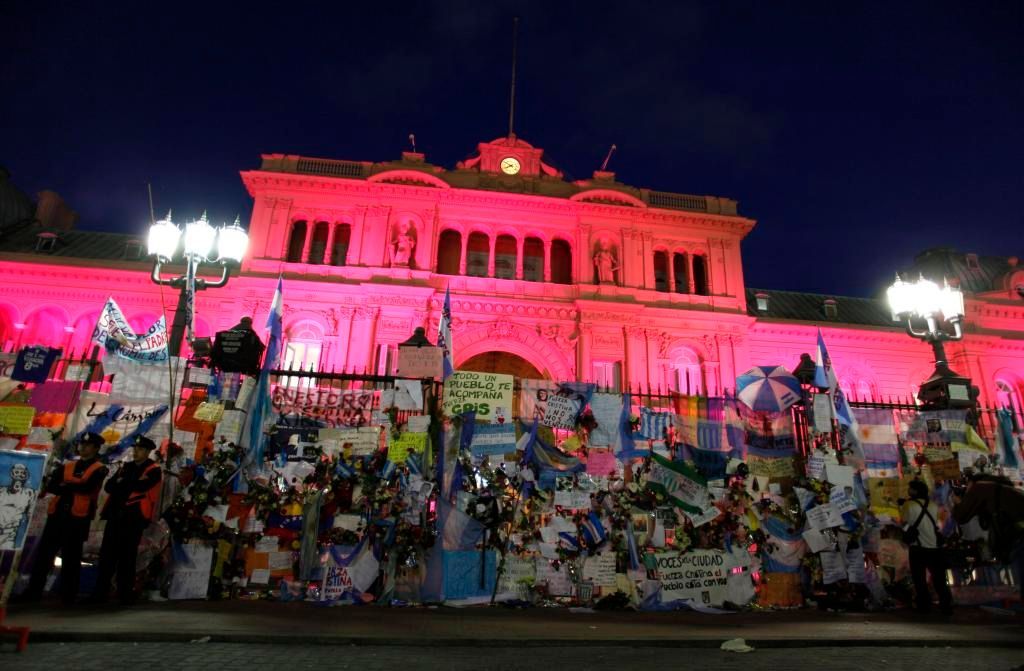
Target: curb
[(371, 641)]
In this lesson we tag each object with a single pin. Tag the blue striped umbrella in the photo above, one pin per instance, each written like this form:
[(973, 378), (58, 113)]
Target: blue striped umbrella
[(768, 388)]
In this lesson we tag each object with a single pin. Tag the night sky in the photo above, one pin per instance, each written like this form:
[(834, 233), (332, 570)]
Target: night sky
[(856, 134)]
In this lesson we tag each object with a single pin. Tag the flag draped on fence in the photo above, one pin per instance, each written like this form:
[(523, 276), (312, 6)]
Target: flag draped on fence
[(444, 335), (682, 486), (876, 433), (261, 400)]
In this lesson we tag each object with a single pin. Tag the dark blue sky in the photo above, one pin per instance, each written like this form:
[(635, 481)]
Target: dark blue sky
[(855, 133)]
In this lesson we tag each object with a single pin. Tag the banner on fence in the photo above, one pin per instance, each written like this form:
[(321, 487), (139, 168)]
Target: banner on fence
[(322, 407), (113, 332)]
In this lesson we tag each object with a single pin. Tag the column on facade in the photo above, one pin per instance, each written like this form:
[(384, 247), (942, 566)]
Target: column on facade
[(492, 240), (464, 241), (647, 254), (363, 339), (520, 247), (584, 370), (547, 260), (332, 229), (693, 284), (636, 365), (650, 345), (308, 242)]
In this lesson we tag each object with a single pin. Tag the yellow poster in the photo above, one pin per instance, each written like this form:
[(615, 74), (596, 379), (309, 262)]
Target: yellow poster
[(399, 447), (16, 418)]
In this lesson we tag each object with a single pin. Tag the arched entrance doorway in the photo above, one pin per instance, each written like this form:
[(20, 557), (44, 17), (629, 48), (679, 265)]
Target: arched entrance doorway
[(503, 363)]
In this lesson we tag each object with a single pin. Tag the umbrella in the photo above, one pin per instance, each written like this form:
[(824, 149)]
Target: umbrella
[(768, 388)]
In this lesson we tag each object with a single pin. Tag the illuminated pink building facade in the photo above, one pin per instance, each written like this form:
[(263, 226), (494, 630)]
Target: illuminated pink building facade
[(588, 280)]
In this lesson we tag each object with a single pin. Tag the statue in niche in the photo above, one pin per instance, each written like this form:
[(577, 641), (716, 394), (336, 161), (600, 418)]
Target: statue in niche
[(605, 263), (403, 244)]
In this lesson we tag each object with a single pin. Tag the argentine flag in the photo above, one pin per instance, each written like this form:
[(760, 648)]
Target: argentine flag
[(261, 400), (444, 335)]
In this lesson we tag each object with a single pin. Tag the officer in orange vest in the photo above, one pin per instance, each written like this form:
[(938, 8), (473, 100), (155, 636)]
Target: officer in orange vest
[(134, 495), (76, 488)]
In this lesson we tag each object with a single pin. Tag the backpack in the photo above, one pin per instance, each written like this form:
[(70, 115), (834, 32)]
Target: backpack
[(911, 535)]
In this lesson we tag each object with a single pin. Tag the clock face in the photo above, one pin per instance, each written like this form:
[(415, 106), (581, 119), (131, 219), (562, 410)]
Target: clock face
[(510, 165)]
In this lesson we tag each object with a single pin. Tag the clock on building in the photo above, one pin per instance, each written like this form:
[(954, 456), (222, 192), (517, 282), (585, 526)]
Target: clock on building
[(510, 165)]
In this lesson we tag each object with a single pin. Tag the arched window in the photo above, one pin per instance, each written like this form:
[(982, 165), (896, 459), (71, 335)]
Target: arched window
[(661, 271), (318, 246), (449, 252), (533, 260), (1008, 396), (8, 333), (685, 373), (561, 262), (700, 275), (505, 257), (680, 273), (342, 236), (865, 390), (45, 326), (478, 254), (302, 350), (296, 242)]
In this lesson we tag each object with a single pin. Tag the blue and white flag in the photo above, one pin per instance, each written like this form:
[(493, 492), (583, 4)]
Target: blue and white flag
[(825, 378), (654, 425), (115, 334), (444, 336), (876, 433), (261, 402)]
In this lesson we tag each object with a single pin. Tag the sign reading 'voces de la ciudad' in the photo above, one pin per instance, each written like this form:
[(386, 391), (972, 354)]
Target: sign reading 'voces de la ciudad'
[(701, 576)]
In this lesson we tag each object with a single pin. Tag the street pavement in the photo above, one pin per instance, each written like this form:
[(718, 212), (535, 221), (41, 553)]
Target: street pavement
[(257, 657), (309, 623)]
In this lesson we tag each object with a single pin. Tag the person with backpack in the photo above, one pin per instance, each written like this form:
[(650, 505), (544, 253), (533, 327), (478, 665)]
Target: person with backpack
[(921, 533)]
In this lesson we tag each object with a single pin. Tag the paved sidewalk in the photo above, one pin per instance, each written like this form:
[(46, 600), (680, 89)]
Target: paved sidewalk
[(272, 622)]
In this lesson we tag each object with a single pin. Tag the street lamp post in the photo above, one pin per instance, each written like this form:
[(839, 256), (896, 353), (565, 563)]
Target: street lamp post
[(199, 243), (941, 312)]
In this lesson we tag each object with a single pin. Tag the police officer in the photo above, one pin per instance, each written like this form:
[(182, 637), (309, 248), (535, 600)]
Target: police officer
[(76, 487), (134, 495)]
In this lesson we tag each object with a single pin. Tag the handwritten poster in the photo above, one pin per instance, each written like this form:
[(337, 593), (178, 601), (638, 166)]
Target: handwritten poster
[(322, 407), (489, 395), (16, 418), (400, 446), (561, 412), (699, 575), (600, 569), (363, 441)]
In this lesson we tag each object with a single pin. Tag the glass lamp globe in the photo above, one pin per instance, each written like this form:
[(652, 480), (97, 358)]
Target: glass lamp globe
[(164, 236), (232, 241), (200, 237)]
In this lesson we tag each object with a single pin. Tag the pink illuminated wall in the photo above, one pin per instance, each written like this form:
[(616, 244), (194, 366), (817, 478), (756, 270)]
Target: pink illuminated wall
[(590, 280)]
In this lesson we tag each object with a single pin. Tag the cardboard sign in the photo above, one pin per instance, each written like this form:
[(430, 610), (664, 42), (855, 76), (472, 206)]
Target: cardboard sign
[(699, 575), (516, 572), (489, 395), (557, 580), (421, 362), (948, 469)]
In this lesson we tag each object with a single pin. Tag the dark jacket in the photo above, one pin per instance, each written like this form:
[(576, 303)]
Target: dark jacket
[(128, 480)]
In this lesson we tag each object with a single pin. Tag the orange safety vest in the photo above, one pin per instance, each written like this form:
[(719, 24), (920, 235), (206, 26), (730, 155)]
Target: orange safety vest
[(147, 500), (82, 505)]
